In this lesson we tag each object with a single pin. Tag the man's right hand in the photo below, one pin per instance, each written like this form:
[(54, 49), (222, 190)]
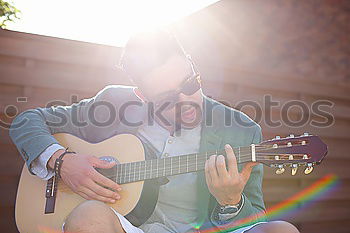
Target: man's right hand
[(79, 174)]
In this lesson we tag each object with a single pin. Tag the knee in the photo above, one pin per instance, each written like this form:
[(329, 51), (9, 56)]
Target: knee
[(90, 216), (274, 227)]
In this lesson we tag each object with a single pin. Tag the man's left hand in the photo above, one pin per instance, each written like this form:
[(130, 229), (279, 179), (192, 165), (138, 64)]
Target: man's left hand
[(226, 185)]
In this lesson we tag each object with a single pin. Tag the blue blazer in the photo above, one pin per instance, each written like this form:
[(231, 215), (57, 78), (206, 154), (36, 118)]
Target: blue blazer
[(118, 107)]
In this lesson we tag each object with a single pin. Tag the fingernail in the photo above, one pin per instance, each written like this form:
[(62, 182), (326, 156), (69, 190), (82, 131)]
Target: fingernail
[(227, 146), (119, 189), (112, 201)]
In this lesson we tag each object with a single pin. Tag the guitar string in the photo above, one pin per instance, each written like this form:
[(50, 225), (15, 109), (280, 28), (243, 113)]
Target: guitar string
[(241, 160), (241, 156), (148, 171)]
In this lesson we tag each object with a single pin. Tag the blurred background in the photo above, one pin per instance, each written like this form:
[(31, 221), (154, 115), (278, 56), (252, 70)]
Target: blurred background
[(245, 50)]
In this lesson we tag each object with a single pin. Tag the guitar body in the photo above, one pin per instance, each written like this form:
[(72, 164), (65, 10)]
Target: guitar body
[(141, 178), (30, 203)]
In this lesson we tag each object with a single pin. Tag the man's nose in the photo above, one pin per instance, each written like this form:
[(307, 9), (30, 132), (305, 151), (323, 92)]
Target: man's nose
[(183, 97)]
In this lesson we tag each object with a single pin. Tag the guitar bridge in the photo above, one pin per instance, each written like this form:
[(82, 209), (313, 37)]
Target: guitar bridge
[(50, 194)]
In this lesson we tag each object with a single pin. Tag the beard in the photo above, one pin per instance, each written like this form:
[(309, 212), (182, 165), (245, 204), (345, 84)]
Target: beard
[(187, 116)]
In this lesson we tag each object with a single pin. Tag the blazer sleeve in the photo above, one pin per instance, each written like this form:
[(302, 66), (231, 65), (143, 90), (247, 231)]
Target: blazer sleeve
[(31, 131)]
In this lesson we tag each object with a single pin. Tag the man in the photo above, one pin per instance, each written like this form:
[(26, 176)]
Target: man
[(184, 121)]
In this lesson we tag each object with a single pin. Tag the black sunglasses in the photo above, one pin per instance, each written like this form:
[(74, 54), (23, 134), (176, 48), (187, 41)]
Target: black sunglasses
[(188, 87)]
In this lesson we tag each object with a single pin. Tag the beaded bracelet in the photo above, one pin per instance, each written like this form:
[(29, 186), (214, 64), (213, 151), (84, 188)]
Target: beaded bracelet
[(59, 161)]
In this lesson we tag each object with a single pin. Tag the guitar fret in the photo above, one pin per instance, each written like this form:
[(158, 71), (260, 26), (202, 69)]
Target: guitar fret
[(127, 172), (117, 175), (121, 174), (140, 170), (164, 168), (239, 154), (130, 172), (187, 163), (134, 171), (171, 166), (196, 163)]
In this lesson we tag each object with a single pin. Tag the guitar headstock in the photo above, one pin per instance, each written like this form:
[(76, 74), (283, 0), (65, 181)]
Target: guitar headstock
[(292, 151)]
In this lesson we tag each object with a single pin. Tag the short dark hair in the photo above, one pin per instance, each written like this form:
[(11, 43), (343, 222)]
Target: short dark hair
[(148, 50)]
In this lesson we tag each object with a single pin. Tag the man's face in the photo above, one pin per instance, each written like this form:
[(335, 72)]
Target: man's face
[(158, 84)]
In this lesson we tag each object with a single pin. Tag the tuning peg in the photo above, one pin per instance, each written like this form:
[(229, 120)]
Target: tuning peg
[(291, 135), (306, 134), (289, 144), (294, 169), (277, 137), (280, 170), (308, 169)]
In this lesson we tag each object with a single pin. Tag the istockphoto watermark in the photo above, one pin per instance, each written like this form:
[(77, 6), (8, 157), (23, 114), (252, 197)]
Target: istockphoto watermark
[(101, 114)]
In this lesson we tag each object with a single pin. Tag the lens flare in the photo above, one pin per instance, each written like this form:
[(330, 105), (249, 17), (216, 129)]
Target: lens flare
[(320, 188)]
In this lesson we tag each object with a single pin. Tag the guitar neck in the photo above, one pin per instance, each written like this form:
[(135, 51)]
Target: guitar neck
[(175, 165)]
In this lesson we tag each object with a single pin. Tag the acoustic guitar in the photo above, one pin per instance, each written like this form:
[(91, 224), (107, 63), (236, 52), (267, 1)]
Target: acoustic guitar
[(45, 204)]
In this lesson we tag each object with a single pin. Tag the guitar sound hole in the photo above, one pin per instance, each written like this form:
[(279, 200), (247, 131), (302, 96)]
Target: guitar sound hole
[(111, 172), (109, 159)]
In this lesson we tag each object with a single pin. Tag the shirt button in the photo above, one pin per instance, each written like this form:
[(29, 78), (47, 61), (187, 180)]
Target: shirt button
[(166, 155), (170, 141)]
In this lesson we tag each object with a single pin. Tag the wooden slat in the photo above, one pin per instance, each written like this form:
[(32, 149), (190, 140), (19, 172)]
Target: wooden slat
[(235, 93), (9, 184), (86, 79), (338, 130), (271, 84), (279, 190), (7, 222), (316, 211), (276, 190), (337, 148), (14, 161), (37, 97), (58, 50), (335, 226)]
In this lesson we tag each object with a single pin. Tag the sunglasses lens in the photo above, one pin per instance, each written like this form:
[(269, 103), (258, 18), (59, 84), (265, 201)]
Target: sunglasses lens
[(191, 86)]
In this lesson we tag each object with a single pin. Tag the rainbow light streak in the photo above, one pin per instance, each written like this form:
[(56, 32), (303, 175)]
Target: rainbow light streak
[(320, 188)]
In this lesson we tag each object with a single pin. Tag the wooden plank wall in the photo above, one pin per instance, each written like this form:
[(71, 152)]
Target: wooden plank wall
[(43, 69)]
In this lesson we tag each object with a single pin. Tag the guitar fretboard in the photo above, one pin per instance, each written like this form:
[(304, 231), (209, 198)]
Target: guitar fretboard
[(169, 166)]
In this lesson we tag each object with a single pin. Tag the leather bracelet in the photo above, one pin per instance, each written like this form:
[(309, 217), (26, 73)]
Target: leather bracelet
[(59, 161)]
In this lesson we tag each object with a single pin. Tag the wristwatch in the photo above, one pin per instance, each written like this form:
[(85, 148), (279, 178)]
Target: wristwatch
[(229, 211)]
